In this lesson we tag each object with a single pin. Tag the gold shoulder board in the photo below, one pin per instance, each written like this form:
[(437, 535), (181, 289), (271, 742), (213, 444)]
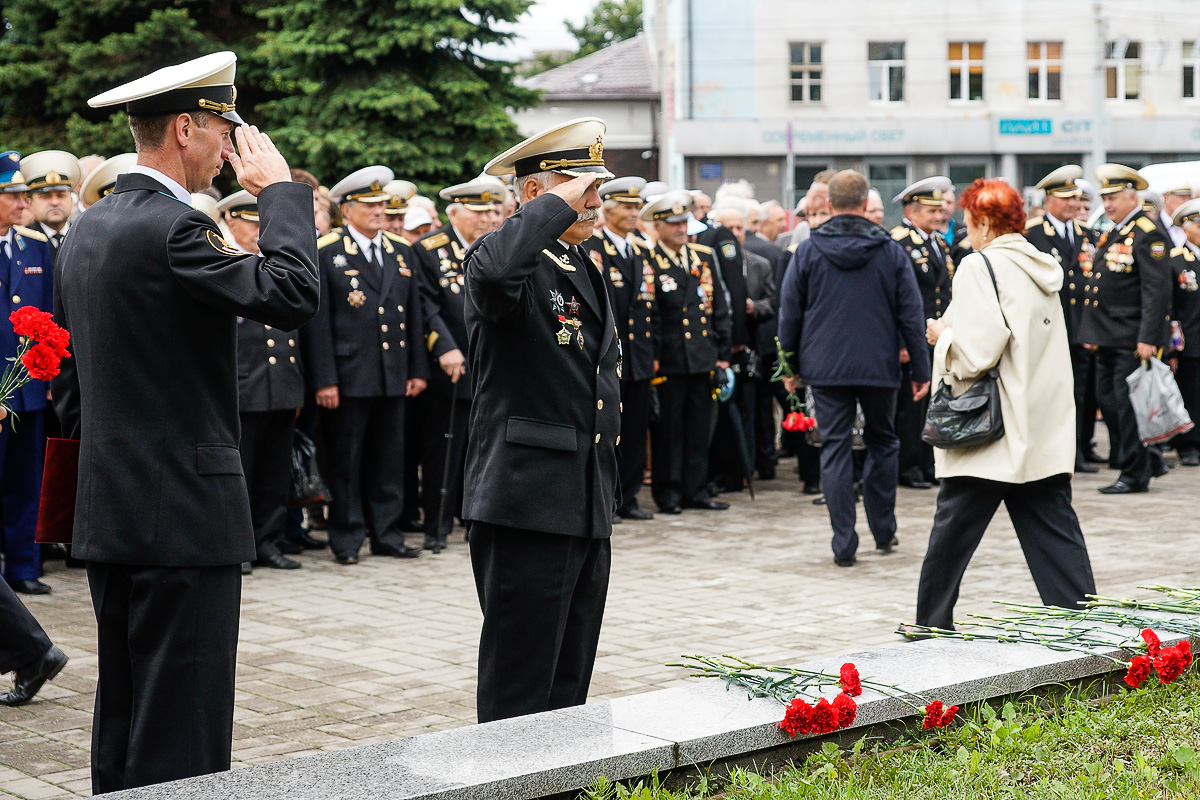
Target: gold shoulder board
[(701, 248), (1033, 222), (30, 233), (899, 232), (328, 239), (1146, 225), (437, 240)]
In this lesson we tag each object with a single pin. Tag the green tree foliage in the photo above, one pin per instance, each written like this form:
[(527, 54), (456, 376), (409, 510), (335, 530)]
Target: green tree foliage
[(338, 84), (611, 21)]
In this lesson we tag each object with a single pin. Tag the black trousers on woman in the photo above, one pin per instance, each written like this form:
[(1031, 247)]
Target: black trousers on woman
[(1047, 529)]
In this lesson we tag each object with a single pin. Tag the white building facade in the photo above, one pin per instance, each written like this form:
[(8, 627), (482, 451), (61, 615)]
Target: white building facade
[(776, 90)]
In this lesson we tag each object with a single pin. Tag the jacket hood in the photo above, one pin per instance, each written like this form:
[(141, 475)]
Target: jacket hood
[(849, 241), (1043, 269)]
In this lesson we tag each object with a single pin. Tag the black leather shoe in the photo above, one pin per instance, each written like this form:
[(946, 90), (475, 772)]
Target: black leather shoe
[(812, 488), (1090, 457), (53, 552), (395, 551), (616, 519), (308, 542), (28, 680), (845, 562), (247, 567), (1121, 487), (709, 504), (1189, 459), (1084, 467), (915, 483), (289, 547), (345, 559), (670, 509), (32, 586), (820, 501), (635, 513), (1159, 466), (276, 561), (889, 547)]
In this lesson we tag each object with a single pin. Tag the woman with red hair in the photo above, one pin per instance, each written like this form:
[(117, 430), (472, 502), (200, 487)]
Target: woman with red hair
[(1012, 322)]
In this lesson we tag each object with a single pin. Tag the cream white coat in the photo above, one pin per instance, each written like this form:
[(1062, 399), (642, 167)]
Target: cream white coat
[(1036, 385)]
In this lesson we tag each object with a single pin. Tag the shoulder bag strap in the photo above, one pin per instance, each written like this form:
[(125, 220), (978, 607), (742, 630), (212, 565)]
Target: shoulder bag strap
[(996, 287)]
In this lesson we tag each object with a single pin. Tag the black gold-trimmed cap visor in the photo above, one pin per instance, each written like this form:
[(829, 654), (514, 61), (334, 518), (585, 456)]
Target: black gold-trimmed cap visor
[(1116, 185), (396, 205), (248, 213), (1064, 190), (367, 194), (575, 163), (219, 100), (625, 196), (933, 198), (478, 201)]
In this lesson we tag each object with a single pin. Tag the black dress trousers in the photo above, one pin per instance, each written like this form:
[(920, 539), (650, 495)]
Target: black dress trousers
[(542, 596), (1047, 529), (1083, 368), (916, 457), (765, 455), (435, 448), (836, 409), (167, 648), (267, 464), (22, 640), (416, 422), (365, 439), (681, 438), (1113, 365), (631, 452)]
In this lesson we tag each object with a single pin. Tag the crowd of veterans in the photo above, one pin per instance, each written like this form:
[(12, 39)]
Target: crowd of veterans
[(523, 357)]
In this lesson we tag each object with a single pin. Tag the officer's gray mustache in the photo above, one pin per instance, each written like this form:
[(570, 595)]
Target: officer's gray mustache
[(590, 215)]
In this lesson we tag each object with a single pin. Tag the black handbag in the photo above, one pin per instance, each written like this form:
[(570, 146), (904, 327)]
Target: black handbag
[(307, 487), (973, 418)]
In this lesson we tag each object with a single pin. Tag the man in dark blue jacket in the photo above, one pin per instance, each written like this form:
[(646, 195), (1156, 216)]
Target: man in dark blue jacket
[(849, 303)]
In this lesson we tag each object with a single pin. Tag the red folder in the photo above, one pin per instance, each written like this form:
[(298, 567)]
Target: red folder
[(60, 479)]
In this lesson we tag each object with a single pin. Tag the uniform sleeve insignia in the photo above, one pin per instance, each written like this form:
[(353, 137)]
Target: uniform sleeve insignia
[(430, 340), (437, 240), (328, 239), (1146, 225), (1033, 222), (30, 233), (729, 250), (1158, 249), (701, 248), (220, 245)]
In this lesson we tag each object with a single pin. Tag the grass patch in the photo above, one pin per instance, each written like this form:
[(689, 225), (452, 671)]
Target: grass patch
[(1078, 744)]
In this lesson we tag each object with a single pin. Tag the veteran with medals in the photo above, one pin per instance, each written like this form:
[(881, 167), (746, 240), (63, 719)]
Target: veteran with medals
[(1126, 309), (541, 467), (474, 210), (150, 293), (50, 175), (365, 353), (623, 260), (695, 327)]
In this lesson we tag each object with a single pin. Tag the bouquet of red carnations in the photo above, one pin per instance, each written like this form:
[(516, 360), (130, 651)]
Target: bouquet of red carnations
[(42, 345)]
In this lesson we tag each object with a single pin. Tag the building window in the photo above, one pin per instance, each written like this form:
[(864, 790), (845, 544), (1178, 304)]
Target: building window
[(885, 71), (806, 72), (1191, 67), (1045, 70), (1123, 69), (966, 70)]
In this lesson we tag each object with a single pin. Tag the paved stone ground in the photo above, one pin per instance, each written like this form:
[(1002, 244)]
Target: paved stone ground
[(333, 657)]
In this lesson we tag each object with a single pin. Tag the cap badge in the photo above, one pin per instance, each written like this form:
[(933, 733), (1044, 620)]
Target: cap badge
[(596, 151)]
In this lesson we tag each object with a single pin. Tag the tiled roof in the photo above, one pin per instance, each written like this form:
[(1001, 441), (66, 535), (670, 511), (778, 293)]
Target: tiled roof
[(623, 71)]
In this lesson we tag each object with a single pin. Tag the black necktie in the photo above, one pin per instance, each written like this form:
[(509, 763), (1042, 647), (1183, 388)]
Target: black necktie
[(56, 240), (374, 256)]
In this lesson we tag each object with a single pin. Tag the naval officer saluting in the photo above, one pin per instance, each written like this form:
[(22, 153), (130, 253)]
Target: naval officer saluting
[(541, 467), (150, 293)]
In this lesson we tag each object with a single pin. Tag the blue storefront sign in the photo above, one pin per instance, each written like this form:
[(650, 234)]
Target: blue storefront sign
[(1026, 127), (711, 170)]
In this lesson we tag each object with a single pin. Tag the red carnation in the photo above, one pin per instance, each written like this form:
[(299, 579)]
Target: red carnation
[(948, 716), (1139, 670), (793, 421), (31, 322), (824, 717), (1169, 665), (933, 715), (1184, 649), (1153, 643), (807, 424), (846, 709), (850, 682), (58, 339), (41, 362), (797, 718)]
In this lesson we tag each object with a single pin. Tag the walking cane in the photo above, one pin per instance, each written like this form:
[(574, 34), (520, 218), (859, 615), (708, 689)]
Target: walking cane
[(437, 542)]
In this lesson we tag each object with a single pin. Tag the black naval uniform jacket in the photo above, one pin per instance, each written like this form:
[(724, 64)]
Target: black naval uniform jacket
[(150, 293), (933, 276), (630, 283), (1076, 261), (1128, 295), (440, 257), (693, 313), (270, 374), (368, 338), (1185, 306), (541, 455)]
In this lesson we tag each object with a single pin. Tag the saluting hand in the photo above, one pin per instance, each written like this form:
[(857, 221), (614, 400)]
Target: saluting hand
[(574, 192), (256, 162)]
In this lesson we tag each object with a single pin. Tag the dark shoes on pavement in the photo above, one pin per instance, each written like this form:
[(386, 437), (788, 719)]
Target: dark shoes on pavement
[(845, 562), (709, 504), (914, 480), (395, 551), (32, 586), (28, 680), (889, 547), (295, 545), (1121, 487), (1189, 458), (634, 513), (1084, 467), (276, 561)]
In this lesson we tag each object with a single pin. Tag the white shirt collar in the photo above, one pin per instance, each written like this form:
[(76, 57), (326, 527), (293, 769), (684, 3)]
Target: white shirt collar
[(364, 243), (460, 238), (1059, 225), (46, 229), (621, 243), (175, 187)]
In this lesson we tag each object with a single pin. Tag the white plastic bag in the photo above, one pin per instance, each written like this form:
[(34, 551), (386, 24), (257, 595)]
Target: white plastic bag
[(1157, 403)]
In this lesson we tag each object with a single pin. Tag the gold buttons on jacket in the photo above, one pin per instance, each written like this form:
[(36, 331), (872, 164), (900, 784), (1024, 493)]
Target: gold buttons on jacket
[(271, 360), (687, 335), (401, 326), (398, 308), (704, 319), (291, 342), (631, 336), (686, 323), (617, 441), (16, 299), (292, 359), (383, 328), (386, 346), (402, 343), (704, 333), (381, 309), (597, 438), (270, 342), (599, 404), (268, 327)]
